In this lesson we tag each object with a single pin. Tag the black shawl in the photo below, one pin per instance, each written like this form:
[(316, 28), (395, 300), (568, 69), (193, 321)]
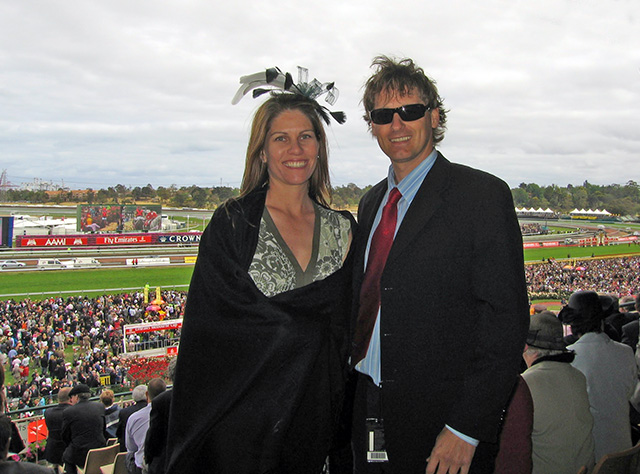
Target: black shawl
[(259, 380)]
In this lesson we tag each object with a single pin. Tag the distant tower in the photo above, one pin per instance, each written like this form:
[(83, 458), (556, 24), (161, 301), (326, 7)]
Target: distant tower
[(4, 186)]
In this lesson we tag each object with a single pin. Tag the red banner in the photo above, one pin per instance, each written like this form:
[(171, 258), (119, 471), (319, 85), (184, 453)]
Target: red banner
[(123, 239), (154, 326), (52, 242), (37, 431)]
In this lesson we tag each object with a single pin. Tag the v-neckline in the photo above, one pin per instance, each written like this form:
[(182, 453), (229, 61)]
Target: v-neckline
[(288, 252)]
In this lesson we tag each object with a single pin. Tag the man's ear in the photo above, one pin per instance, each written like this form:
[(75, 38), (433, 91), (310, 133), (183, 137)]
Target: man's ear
[(435, 117)]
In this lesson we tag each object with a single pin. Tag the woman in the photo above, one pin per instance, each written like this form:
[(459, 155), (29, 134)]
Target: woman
[(111, 413), (260, 371)]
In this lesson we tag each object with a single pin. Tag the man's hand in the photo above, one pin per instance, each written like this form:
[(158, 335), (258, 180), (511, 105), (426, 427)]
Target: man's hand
[(451, 454)]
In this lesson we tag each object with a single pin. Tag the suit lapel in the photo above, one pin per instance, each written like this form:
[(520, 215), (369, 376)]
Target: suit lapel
[(366, 215), (424, 204), (369, 211)]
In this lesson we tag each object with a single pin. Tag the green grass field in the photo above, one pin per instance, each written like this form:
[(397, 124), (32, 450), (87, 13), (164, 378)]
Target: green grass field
[(534, 255), (42, 284), (90, 282)]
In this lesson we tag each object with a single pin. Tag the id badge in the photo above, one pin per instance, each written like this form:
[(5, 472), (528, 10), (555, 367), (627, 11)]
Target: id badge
[(375, 431)]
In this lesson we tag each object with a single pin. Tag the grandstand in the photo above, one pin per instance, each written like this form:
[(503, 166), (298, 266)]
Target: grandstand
[(591, 215)]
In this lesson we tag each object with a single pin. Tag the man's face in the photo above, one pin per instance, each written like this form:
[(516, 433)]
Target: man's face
[(406, 144)]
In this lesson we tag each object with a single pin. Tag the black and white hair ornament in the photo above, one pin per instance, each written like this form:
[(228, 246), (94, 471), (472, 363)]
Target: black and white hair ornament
[(275, 81)]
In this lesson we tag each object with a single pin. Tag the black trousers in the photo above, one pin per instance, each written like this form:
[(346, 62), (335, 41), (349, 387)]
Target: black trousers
[(368, 404), (70, 468)]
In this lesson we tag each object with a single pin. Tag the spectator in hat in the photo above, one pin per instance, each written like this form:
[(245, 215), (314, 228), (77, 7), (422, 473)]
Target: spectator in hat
[(562, 422), (610, 370), (82, 428), (538, 308)]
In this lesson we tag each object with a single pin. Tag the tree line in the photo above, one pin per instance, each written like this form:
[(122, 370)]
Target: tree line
[(623, 200), (618, 199)]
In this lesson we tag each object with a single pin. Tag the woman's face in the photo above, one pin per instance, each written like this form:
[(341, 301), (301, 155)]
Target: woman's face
[(291, 149)]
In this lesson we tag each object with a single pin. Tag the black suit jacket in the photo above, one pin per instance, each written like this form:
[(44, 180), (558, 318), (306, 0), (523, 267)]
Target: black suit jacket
[(617, 321), (123, 416), (454, 309), (630, 331), (55, 445), (155, 444), (82, 429)]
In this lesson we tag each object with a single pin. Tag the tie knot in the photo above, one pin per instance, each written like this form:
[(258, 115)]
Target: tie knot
[(394, 196)]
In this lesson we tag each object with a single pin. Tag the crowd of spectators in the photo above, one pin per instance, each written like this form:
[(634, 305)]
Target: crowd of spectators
[(558, 279), (34, 335), (531, 228)]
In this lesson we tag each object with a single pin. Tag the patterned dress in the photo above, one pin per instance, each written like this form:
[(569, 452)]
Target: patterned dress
[(274, 268)]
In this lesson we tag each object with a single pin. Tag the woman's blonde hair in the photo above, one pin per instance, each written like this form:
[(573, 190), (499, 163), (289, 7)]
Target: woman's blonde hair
[(255, 170)]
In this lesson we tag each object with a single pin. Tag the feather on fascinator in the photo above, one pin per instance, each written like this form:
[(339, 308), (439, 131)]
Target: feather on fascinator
[(275, 81)]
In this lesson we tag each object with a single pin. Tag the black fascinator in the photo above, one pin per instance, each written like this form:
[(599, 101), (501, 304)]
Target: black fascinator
[(275, 81)]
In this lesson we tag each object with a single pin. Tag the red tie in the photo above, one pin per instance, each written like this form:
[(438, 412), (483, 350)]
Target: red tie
[(370, 292)]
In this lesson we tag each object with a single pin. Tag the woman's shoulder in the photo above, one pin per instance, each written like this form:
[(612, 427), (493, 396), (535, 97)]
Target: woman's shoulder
[(340, 218), (246, 207)]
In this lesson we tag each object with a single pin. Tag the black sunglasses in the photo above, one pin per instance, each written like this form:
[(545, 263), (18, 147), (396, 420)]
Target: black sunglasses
[(408, 113)]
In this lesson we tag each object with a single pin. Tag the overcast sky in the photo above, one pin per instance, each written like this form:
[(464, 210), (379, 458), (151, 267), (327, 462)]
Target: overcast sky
[(98, 93)]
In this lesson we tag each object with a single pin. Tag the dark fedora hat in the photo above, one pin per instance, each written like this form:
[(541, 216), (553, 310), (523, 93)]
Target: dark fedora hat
[(80, 388), (545, 332)]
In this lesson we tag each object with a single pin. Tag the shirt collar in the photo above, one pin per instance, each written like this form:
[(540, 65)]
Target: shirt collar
[(409, 186)]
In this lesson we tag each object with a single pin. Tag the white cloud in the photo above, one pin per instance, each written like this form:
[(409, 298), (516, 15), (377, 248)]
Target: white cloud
[(99, 93)]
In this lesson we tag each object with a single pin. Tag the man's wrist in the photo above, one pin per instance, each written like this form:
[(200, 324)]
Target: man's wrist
[(472, 441)]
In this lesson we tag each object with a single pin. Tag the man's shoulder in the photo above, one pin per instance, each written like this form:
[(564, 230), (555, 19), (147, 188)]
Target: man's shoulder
[(139, 416), (546, 368), (128, 411), (631, 325), (163, 399), (56, 410), (473, 176), (373, 193), (624, 350)]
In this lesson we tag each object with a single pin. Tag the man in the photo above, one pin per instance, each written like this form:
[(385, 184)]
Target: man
[(82, 428), (433, 381), (614, 319), (137, 427), (12, 467), (139, 396), (610, 370), (53, 418), (562, 423), (630, 330)]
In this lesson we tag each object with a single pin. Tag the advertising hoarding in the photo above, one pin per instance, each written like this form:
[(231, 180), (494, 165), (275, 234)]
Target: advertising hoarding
[(119, 218), (6, 231)]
